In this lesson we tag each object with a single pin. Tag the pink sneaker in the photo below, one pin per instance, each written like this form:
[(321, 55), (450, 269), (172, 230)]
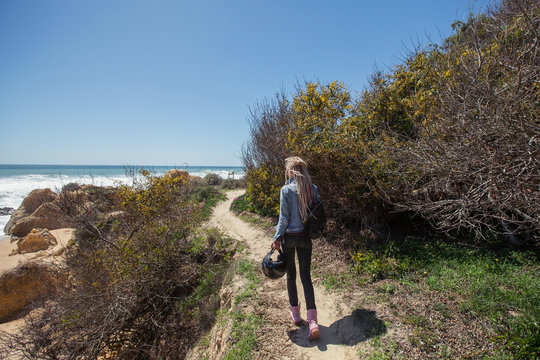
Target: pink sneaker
[(314, 332), (295, 315)]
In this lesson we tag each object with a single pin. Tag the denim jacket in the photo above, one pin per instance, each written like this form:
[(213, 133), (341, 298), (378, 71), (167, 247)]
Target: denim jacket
[(290, 220)]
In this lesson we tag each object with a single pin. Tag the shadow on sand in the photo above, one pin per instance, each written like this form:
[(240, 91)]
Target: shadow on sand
[(350, 330)]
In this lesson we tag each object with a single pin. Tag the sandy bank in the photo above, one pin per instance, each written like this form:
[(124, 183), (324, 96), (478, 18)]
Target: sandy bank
[(9, 262)]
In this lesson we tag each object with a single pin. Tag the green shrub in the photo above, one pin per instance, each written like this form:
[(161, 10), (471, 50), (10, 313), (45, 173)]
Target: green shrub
[(242, 203), (71, 187), (377, 265), (264, 185), (233, 183), (207, 197), (213, 179), (206, 193), (431, 136), (243, 336)]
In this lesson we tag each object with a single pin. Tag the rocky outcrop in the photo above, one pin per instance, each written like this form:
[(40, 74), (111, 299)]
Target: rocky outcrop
[(36, 240), (25, 278), (6, 211), (46, 216), (36, 198), (43, 209), (31, 203), (23, 285), (176, 173), (10, 257)]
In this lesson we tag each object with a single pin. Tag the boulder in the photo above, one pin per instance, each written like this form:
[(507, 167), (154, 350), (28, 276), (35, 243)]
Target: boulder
[(10, 257), (6, 211), (31, 278), (23, 285), (36, 240), (176, 173), (31, 202), (47, 216), (36, 198)]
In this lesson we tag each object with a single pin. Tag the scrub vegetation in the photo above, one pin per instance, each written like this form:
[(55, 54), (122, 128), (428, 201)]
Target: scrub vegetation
[(451, 135), (430, 179), (141, 281), (431, 183)]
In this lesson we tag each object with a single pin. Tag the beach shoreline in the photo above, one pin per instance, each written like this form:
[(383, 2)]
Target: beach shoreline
[(17, 181)]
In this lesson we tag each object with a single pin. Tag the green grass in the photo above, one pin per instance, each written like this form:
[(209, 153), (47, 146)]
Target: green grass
[(382, 350), (375, 264), (245, 326), (443, 309), (256, 220), (336, 282), (208, 197), (246, 268), (388, 289), (243, 336), (251, 219), (501, 285)]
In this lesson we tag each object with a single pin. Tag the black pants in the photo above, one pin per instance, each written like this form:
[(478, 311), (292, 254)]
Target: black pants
[(302, 246)]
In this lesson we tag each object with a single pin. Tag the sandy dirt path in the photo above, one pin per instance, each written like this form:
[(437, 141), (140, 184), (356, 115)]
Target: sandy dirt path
[(340, 325)]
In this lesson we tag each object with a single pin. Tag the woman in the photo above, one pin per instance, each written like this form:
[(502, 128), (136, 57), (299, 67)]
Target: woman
[(295, 197)]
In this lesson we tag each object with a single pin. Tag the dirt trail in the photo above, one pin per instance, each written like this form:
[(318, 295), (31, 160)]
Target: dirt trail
[(341, 328)]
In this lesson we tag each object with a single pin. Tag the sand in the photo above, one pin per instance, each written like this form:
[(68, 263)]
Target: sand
[(9, 262)]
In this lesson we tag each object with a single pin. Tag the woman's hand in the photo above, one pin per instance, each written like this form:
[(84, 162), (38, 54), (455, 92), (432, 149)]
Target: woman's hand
[(276, 245)]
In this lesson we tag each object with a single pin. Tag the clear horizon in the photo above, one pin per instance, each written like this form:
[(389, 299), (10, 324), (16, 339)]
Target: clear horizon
[(172, 82), (117, 165)]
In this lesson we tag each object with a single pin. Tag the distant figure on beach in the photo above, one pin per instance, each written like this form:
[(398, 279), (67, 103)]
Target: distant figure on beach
[(296, 196)]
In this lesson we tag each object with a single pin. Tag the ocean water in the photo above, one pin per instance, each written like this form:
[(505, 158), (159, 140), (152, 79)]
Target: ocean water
[(16, 181)]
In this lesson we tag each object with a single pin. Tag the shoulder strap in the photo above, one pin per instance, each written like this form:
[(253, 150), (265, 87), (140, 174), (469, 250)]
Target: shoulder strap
[(311, 195)]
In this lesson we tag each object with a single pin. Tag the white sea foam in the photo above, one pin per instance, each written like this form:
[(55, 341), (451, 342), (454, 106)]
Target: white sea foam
[(224, 174), (3, 222), (13, 189)]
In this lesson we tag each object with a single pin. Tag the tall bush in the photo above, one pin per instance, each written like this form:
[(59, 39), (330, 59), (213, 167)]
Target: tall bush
[(477, 160), (450, 134), (324, 134), (264, 154)]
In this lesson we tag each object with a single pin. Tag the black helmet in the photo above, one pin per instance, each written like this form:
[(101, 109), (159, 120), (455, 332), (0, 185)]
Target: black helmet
[(274, 269)]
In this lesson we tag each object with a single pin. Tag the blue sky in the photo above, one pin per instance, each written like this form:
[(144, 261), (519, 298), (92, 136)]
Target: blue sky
[(171, 82)]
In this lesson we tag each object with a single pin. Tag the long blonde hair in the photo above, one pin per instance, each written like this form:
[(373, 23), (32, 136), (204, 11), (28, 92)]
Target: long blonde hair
[(298, 167)]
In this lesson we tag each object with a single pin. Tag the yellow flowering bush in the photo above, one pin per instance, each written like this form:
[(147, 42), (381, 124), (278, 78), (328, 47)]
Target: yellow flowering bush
[(264, 184), (451, 134)]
